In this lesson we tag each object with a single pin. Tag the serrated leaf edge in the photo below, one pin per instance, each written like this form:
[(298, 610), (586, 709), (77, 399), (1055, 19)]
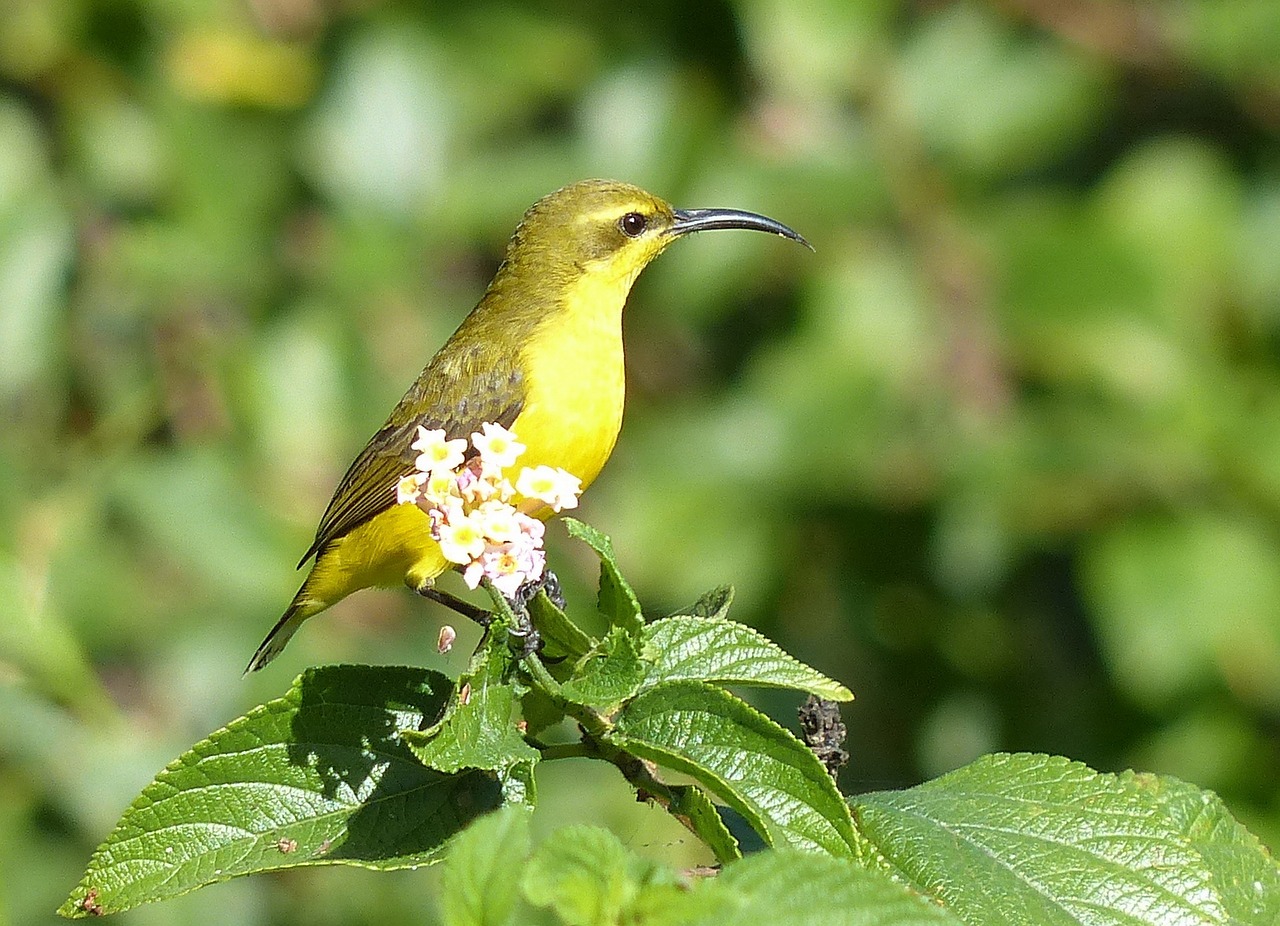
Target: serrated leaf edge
[(830, 688), (723, 789)]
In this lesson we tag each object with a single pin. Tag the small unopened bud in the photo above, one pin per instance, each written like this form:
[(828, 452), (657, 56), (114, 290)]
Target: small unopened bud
[(445, 641)]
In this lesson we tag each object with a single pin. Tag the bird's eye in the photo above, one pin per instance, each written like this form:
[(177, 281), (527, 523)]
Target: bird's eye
[(632, 224)]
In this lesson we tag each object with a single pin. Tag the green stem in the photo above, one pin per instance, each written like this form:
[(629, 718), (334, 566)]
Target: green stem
[(593, 723), (594, 744), (542, 680), (579, 750)]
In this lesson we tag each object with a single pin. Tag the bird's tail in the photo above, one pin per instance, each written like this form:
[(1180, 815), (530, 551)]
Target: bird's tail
[(298, 611)]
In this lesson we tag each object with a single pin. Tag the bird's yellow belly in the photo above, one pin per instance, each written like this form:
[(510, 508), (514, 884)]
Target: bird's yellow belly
[(575, 390), (574, 386), (392, 547)]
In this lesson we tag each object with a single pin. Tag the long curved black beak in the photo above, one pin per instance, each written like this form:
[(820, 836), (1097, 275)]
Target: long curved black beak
[(696, 220)]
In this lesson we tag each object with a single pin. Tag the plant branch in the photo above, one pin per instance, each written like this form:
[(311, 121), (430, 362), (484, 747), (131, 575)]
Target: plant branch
[(578, 750)]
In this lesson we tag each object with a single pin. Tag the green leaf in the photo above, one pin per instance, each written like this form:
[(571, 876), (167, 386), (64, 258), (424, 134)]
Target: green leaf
[(788, 887), (518, 784), (559, 633), (1243, 872), (478, 733), (589, 878), (478, 729), (478, 886), (691, 806), (753, 764), (617, 602), (1033, 839), (539, 710), (320, 776), (608, 676), (713, 604), (728, 653)]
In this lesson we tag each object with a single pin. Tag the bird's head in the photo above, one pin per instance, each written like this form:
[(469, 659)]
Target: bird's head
[(612, 230)]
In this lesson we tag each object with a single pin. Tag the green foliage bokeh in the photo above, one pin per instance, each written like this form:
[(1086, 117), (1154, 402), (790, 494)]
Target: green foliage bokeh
[(1003, 456)]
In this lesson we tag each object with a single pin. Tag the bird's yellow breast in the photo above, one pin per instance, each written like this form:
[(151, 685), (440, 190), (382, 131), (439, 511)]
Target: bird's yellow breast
[(574, 386), (574, 379)]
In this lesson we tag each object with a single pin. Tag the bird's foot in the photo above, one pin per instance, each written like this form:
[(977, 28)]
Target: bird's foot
[(530, 641), (551, 585), (525, 639), (548, 583), (454, 603), (524, 636)]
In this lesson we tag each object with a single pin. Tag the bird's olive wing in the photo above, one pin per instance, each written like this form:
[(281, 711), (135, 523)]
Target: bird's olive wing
[(457, 397)]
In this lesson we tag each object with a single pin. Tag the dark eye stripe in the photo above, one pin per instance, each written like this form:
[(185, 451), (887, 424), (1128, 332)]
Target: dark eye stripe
[(632, 224)]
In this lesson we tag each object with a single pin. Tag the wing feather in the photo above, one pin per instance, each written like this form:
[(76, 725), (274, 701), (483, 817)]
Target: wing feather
[(468, 392)]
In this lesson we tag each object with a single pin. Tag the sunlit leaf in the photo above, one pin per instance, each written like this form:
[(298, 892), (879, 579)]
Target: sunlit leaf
[(609, 675), (560, 634), (728, 653), (617, 601), (754, 765), (320, 776), (1030, 839), (478, 728)]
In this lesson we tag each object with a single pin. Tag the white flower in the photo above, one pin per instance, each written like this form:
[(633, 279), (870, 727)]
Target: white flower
[(476, 488), (475, 511), (497, 446), (533, 530), (508, 566), (436, 454), (552, 485), (461, 539), (439, 485), (499, 521), (409, 488), (503, 570)]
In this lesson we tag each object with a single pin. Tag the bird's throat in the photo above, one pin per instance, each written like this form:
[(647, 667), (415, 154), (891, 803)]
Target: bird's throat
[(573, 365)]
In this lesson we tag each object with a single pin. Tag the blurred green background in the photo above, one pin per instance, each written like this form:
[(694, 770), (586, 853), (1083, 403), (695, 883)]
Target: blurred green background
[(1003, 455)]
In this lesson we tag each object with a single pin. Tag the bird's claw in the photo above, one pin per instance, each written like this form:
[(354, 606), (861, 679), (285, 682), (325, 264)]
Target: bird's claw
[(525, 639), (548, 583), (551, 585)]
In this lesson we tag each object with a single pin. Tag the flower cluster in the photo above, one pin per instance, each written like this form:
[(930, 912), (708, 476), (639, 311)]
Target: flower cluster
[(483, 521)]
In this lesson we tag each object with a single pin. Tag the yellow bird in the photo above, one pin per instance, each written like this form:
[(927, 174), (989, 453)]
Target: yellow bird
[(541, 355)]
